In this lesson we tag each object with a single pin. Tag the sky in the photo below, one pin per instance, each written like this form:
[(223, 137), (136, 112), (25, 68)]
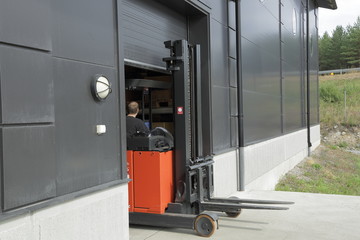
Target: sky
[(346, 13)]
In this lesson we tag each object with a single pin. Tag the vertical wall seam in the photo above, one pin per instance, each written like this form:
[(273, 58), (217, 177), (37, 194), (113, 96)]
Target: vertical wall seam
[(281, 70), (308, 74)]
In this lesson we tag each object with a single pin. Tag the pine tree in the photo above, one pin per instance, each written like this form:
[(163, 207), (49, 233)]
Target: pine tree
[(325, 52), (347, 48), (354, 40), (342, 49), (337, 58)]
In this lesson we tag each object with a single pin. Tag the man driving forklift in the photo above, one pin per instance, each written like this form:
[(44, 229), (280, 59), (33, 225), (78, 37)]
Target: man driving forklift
[(135, 126)]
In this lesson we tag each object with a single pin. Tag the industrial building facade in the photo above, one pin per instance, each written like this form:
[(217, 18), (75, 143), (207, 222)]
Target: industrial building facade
[(61, 177)]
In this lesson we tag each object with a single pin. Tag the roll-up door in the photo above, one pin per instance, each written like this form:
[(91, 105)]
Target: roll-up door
[(146, 24)]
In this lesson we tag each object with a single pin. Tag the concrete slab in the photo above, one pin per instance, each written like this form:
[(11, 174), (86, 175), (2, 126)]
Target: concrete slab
[(314, 216)]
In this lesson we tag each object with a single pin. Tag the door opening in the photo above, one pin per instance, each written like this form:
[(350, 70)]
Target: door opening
[(153, 91)]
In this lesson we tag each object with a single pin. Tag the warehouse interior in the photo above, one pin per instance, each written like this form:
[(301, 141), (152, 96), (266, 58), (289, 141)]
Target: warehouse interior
[(153, 91)]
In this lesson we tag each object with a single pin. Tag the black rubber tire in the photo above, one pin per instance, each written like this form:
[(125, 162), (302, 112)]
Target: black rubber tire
[(204, 225), (233, 214)]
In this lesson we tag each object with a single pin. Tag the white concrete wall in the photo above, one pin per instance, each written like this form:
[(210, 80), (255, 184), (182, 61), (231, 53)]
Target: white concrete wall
[(266, 162), (225, 174), (315, 137), (101, 216)]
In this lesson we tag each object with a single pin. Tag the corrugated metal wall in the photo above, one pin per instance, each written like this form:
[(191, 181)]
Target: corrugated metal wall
[(146, 25)]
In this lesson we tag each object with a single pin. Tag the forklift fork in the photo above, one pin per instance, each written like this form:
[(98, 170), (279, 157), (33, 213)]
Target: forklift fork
[(231, 206)]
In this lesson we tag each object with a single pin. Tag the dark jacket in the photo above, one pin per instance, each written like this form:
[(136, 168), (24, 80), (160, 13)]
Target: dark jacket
[(135, 126)]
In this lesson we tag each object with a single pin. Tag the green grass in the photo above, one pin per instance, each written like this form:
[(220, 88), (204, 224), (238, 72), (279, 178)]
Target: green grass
[(332, 100), (343, 145), (329, 171)]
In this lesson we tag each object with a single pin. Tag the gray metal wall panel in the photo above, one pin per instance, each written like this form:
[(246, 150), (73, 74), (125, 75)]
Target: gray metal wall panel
[(260, 49), (219, 54), (314, 97), (287, 14), (262, 117), (272, 7), (145, 27), (314, 63), (26, 86), (28, 164), (198, 33), (220, 86), (219, 11), (26, 23), (293, 68), (206, 2), (260, 70), (221, 118), (84, 159), (232, 43), (233, 72), (232, 14), (260, 26), (234, 131), (84, 30), (292, 98), (233, 102)]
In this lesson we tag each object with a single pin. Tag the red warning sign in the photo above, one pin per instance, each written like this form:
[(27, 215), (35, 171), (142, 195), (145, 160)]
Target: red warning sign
[(180, 110)]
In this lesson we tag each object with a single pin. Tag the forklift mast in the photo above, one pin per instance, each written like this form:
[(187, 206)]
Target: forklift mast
[(191, 166)]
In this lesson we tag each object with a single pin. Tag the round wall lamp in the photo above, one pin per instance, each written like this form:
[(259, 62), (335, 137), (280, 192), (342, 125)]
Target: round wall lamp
[(100, 87)]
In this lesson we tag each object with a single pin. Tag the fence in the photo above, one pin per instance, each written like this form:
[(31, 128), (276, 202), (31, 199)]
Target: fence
[(339, 71)]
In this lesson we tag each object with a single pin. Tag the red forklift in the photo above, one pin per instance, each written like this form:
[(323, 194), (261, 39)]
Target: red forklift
[(172, 181)]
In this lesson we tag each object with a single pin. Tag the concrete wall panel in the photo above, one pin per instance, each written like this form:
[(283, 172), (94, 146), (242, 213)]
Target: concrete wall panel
[(225, 174), (268, 161), (101, 215)]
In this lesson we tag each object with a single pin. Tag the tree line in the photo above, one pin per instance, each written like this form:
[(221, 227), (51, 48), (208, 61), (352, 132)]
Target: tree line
[(342, 49)]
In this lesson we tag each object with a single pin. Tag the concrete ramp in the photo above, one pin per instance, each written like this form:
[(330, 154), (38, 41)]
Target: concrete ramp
[(314, 216)]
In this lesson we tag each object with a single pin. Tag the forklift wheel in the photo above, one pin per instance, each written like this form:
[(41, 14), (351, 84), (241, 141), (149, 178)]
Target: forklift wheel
[(233, 214), (236, 213), (204, 225)]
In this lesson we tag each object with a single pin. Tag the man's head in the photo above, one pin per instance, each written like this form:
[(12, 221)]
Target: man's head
[(133, 108)]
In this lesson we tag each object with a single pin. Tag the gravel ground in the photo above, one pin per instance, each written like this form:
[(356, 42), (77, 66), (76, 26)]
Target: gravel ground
[(354, 151), (340, 135)]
